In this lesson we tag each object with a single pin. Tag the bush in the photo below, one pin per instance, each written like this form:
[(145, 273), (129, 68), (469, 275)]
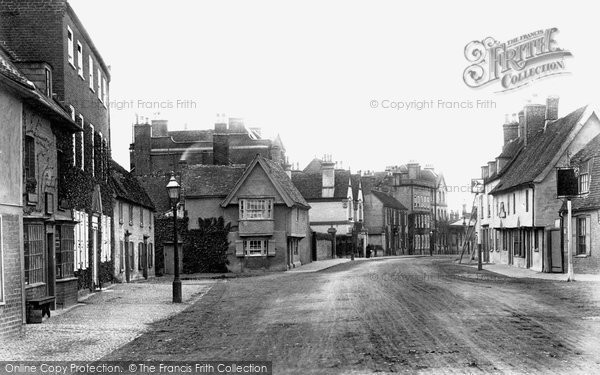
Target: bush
[(205, 249)]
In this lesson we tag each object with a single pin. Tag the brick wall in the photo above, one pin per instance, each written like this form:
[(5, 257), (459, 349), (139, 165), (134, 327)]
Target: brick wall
[(66, 292), (11, 308)]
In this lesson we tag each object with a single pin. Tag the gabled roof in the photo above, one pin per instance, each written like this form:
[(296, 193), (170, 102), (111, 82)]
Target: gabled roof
[(591, 153), (210, 180), (155, 186), (313, 167), (541, 149), (388, 200), (278, 178), (127, 187), (310, 184)]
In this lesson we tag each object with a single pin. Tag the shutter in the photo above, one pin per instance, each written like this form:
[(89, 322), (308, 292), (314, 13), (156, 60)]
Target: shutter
[(574, 231), (588, 237), (271, 249), (239, 248)]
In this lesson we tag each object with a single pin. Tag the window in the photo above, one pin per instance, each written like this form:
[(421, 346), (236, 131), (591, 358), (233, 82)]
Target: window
[(34, 253), (70, 46), (82, 146), (131, 256), (140, 256), (104, 91), (130, 214), (141, 216), (29, 157), (150, 255), (508, 205), (120, 212), (518, 250), (255, 247), (92, 149), (581, 236), (489, 207), (48, 82), (256, 209), (99, 84), (79, 59), (584, 178), (526, 200), (65, 249), (91, 70), (514, 203), (121, 256)]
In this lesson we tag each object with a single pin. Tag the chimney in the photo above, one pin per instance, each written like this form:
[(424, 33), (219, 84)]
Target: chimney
[(521, 123), (551, 110), (492, 167), (159, 127), (414, 170), (287, 167), (236, 125), (535, 119), (328, 177), (511, 128), (221, 141), (221, 123)]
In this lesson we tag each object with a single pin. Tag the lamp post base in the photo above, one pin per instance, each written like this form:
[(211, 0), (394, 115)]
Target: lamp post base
[(177, 291)]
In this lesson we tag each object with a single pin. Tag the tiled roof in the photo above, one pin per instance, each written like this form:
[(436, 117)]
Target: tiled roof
[(210, 180), (127, 187), (590, 152), (9, 70), (279, 175), (313, 167), (310, 184), (537, 154), (155, 186), (30, 94), (388, 200)]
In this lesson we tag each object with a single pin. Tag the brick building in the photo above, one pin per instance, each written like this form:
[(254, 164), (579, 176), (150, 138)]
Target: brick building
[(423, 192), (518, 214), (385, 221), (155, 148), (36, 236), (53, 49)]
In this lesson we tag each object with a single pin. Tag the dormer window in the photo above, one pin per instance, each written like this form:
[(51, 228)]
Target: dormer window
[(48, 73), (584, 178)]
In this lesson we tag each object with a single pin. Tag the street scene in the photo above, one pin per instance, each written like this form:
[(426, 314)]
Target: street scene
[(258, 188)]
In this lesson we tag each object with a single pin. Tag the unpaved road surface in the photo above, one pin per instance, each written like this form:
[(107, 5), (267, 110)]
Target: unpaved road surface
[(407, 315)]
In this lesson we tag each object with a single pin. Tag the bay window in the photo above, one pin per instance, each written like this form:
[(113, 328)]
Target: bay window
[(256, 209)]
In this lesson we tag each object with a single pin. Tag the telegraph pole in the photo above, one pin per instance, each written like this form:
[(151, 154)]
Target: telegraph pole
[(570, 274)]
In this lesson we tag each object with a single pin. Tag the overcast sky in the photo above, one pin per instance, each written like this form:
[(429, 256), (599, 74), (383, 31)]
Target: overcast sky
[(309, 70)]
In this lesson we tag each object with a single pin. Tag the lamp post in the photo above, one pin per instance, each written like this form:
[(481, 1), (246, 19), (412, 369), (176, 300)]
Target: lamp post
[(174, 190)]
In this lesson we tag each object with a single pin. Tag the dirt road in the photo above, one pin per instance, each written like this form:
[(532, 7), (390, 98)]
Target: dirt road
[(391, 315)]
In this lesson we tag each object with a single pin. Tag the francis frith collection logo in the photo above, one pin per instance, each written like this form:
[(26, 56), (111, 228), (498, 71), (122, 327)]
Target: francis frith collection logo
[(515, 63)]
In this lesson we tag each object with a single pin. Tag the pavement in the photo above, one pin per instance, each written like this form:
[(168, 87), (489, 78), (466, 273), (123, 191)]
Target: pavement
[(102, 322), (506, 270)]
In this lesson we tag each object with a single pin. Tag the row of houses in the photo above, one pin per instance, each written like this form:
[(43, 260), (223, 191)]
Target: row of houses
[(70, 218), (402, 210), (521, 220)]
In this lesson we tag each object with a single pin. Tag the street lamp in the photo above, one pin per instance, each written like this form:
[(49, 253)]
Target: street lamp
[(174, 190)]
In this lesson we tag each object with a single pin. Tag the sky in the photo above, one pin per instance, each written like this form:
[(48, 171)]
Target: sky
[(311, 72)]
